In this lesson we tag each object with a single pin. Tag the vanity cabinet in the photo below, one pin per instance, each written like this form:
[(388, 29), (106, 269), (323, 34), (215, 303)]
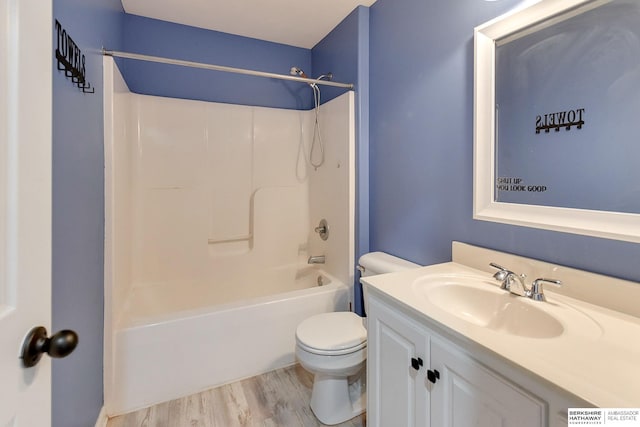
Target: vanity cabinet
[(397, 357), (417, 378)]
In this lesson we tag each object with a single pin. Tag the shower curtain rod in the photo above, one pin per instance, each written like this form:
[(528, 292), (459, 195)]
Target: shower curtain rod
[(162, 60)]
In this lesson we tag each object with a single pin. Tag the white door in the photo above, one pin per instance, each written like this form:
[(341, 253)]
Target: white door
[(25, 205)]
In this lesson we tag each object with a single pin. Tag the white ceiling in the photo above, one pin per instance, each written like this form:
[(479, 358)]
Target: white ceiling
[(301, 23)]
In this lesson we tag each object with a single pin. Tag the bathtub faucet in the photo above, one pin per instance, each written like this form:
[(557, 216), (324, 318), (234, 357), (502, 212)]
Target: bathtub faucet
[(318, 259)]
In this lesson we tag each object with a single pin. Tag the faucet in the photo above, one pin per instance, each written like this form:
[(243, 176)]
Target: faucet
[(536, 293), (515, 284), (316, 259), (510, 281)]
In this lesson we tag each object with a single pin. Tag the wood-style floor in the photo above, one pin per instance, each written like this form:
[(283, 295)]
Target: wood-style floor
[(277, 398)]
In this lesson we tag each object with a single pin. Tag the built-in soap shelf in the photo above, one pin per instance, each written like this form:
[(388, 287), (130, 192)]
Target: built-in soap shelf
[(230, 239)]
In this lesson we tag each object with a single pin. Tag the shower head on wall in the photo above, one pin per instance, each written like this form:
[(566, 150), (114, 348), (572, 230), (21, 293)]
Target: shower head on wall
[(295, 71)]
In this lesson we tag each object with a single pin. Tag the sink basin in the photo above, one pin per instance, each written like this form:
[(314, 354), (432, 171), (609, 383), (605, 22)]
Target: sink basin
[(482, 303)]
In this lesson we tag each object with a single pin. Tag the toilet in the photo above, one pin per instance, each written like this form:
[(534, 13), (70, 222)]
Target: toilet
[(333, 346)]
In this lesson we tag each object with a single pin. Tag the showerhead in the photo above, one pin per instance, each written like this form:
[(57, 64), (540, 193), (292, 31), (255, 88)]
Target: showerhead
[(295, 71)]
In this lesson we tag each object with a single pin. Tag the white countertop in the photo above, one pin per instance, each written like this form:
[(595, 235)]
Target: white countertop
[(599, 361)]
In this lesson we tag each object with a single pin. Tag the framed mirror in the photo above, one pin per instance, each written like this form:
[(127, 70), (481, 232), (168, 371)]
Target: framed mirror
[(556, 115)]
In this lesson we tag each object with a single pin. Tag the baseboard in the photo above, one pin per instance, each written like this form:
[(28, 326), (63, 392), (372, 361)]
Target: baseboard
[(102, 418)]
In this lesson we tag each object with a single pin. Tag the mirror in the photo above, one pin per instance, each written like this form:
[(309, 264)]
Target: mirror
[(555, 112)]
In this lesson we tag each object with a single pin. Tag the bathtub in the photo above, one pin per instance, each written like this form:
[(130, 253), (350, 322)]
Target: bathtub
[(166, 347)]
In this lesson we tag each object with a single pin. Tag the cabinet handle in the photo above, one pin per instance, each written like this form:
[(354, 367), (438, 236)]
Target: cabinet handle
[(433, 376), (416, 363)]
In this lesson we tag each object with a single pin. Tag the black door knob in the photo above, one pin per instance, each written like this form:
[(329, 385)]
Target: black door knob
[(36, 343)]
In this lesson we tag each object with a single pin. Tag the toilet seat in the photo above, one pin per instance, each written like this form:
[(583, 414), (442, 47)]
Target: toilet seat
[(332, 334), (332, 352)]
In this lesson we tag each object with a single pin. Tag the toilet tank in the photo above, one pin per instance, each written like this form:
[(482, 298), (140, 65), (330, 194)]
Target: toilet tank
[(374, 263), (379, 263)]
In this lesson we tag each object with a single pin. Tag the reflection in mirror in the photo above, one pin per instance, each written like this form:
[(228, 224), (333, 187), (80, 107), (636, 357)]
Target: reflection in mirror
[(567, 110), (557, 103)]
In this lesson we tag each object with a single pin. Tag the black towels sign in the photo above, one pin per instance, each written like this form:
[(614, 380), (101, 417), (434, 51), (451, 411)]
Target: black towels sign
[(71, 60), (565, 119)]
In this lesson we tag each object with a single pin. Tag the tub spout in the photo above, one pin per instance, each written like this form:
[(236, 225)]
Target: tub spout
[(318, 259)]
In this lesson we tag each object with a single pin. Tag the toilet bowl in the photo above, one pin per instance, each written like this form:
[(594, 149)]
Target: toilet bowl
[(333, 346)]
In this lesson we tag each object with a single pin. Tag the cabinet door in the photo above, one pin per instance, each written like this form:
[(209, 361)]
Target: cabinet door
[(559, 420), (396, 393), (469, 394)]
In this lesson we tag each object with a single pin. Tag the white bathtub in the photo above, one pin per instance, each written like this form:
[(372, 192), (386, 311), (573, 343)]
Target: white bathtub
[(159, 356)]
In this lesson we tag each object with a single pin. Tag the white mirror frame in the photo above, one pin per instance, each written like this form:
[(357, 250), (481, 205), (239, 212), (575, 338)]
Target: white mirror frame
[(611, 225)]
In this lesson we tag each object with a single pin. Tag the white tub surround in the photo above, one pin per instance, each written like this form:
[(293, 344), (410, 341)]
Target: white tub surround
[(594, 355), (210, 212)]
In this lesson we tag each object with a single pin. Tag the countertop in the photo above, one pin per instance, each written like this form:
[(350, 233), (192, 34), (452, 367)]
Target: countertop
[(598, 362)]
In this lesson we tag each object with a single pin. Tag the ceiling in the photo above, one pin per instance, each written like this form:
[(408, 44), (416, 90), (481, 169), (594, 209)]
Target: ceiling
[(301, 23)]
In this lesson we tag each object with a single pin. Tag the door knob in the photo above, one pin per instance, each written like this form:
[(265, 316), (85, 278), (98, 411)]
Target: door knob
[(36, 343)]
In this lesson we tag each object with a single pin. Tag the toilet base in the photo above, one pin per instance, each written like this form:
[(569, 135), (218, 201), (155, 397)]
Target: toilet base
[(335, 400)]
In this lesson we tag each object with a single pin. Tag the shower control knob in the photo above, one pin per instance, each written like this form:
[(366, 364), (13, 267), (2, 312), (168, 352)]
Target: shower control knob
[(323, 229), (60, 344)]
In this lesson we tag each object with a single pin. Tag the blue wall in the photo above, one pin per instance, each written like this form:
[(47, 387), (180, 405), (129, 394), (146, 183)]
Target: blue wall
[(337, 52), (345, 53), (78, 213), (159, 38), (422, 144)]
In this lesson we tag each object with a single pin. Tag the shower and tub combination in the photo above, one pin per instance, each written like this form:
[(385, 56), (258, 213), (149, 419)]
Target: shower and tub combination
[(213, 252)]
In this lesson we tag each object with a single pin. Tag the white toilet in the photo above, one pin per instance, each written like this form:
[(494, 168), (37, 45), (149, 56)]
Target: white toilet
[(333, 346)]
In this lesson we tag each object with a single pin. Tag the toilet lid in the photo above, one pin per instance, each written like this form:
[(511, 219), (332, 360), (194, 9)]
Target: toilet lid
[(334, 333)]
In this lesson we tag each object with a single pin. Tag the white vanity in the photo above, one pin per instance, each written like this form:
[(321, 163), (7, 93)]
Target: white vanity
[(448, 347)]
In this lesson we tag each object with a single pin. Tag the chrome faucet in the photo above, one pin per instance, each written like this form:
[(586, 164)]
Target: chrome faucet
[(536, 292), (316, 259), (510, 281), (515, 284)]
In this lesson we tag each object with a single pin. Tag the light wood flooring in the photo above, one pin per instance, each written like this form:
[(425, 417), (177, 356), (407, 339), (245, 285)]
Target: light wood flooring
[(277, 398)]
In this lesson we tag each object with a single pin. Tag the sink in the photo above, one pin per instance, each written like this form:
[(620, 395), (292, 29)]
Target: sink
[(482, 303)]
